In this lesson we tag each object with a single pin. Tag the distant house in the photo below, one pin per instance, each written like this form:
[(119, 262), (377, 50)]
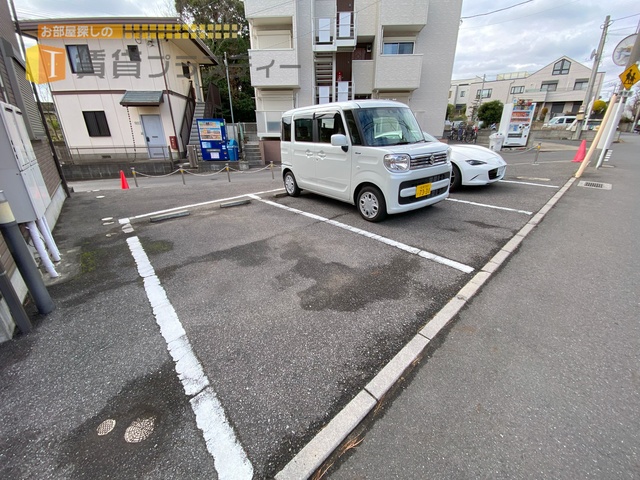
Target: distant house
[(560, 87), (128, 88)]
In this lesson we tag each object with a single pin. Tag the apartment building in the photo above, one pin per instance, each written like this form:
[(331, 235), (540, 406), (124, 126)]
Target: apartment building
[(311, 52), (560, 87)]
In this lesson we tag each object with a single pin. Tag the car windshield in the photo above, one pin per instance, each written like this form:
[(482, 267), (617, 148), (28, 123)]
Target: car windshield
[(385, 126)]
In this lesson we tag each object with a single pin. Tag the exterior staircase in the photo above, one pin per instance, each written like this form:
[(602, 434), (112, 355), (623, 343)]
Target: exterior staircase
[(194, 139), (252, 154)]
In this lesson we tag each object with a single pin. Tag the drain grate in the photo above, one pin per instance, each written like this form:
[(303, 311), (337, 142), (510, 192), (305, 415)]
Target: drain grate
[(601, 186)]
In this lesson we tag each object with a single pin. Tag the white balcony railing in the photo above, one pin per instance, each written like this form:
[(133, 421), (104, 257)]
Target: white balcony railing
[(339, 92), (330, 33)]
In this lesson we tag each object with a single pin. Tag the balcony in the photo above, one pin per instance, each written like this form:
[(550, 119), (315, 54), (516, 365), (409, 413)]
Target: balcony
[(340, 92), (363, 74), (557, 95), (268, 8), (406, 15), (274, 68), (268, 122), (398, 72), (332, 34)]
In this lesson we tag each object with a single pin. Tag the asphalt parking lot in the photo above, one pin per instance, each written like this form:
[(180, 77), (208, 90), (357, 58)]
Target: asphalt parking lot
[(288, 307)]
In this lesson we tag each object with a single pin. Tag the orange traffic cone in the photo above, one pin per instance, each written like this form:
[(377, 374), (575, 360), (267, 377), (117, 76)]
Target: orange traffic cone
[(123, 181), (581, 153)]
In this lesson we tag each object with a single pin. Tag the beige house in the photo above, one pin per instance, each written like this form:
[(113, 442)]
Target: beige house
[(318, 51), (560, 87), (122, 91)]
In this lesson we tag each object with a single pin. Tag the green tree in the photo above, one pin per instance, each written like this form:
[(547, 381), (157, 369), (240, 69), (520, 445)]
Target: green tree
[(451, 110), (599, 107), (236, 49), (490, 112)]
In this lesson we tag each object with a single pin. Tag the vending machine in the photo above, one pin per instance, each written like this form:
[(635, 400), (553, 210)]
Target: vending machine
[(213, 139), (516, 122)]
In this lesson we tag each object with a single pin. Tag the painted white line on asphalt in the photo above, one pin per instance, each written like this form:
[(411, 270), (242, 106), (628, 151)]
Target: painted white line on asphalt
[(320, 448), (489, 206), (229, 458), (529, 183), (210, 202), (415, 251)]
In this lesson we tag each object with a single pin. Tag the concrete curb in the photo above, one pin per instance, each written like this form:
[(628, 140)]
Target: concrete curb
[(322, 446)]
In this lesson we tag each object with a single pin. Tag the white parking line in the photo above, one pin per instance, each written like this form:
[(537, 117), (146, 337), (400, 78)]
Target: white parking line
[(489, 206), (416, 251), (210, 202), (229, 458), (529, 183)]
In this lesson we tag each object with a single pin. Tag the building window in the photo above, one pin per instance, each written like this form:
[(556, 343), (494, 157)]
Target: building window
[(462, 93), (80, 58), (398, 48), (581, 84), (515, 90), (96, 124), (561, 67), (134, 53), (549, 86), (486, 93)]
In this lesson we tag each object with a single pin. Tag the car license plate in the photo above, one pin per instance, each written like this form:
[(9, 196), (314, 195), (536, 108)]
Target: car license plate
[(423, 190)]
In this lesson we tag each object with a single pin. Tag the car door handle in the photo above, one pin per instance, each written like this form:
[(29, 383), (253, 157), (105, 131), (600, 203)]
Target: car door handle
[(309, 153), (322, 155)]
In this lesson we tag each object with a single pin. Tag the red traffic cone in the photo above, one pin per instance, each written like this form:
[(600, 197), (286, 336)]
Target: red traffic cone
[(123, 181), (581, 153)]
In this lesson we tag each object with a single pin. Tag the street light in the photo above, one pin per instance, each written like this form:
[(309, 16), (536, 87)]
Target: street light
[(226, 67)]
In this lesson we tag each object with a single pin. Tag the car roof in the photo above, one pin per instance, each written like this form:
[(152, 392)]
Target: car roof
[(350, 105)]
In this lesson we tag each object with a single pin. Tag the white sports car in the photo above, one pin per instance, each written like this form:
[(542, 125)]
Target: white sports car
[(473, 164)]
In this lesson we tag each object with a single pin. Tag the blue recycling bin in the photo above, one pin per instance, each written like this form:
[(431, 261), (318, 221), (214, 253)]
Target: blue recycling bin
[(232, 148)]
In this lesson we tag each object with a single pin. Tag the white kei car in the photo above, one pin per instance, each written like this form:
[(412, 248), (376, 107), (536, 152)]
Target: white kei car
[(473, 164)]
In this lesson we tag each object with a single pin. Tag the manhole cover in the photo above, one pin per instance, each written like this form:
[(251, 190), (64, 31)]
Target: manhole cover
[(139, 430), (601, 186), (106, 426)]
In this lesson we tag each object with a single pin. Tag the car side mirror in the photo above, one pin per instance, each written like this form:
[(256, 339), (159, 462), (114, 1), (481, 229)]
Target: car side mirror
[(340, 140)]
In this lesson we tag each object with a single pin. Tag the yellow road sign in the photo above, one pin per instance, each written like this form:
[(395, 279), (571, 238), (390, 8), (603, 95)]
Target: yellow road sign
[(630, 76)]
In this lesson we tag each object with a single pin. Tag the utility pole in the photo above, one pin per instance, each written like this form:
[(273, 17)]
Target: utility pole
[(594, 71)]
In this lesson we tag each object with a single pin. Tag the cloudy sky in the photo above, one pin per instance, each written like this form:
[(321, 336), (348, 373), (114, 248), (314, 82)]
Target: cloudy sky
[(496, 36)]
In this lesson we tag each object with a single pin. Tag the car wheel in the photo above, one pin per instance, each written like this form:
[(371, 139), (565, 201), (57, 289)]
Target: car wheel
[(456, 178), (290, 185), (371, 204)]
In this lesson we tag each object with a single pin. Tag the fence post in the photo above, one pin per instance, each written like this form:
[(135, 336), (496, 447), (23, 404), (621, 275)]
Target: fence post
[(182, 175), (170, 153), (271, 167), (226, 166), (535, 160), (133, 172)]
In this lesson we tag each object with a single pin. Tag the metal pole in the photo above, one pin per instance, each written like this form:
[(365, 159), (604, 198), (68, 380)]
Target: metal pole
[(592, 79), (226, 166), (135, 179), (226, 66), (271, 167), (535, 160), (182, 175), (24, 261), (16, 309)]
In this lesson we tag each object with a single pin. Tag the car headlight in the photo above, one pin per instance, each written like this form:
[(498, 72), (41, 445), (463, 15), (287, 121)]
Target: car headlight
[(476, 162), (397, 162)]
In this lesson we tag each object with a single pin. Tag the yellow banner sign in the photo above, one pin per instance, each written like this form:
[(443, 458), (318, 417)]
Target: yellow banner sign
[(150, 30)]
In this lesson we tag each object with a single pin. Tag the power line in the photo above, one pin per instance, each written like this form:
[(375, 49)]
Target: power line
[(495, 11)]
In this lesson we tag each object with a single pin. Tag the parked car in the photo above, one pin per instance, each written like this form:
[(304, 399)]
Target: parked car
[(473, 164), (559, 122), (370, 153)]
